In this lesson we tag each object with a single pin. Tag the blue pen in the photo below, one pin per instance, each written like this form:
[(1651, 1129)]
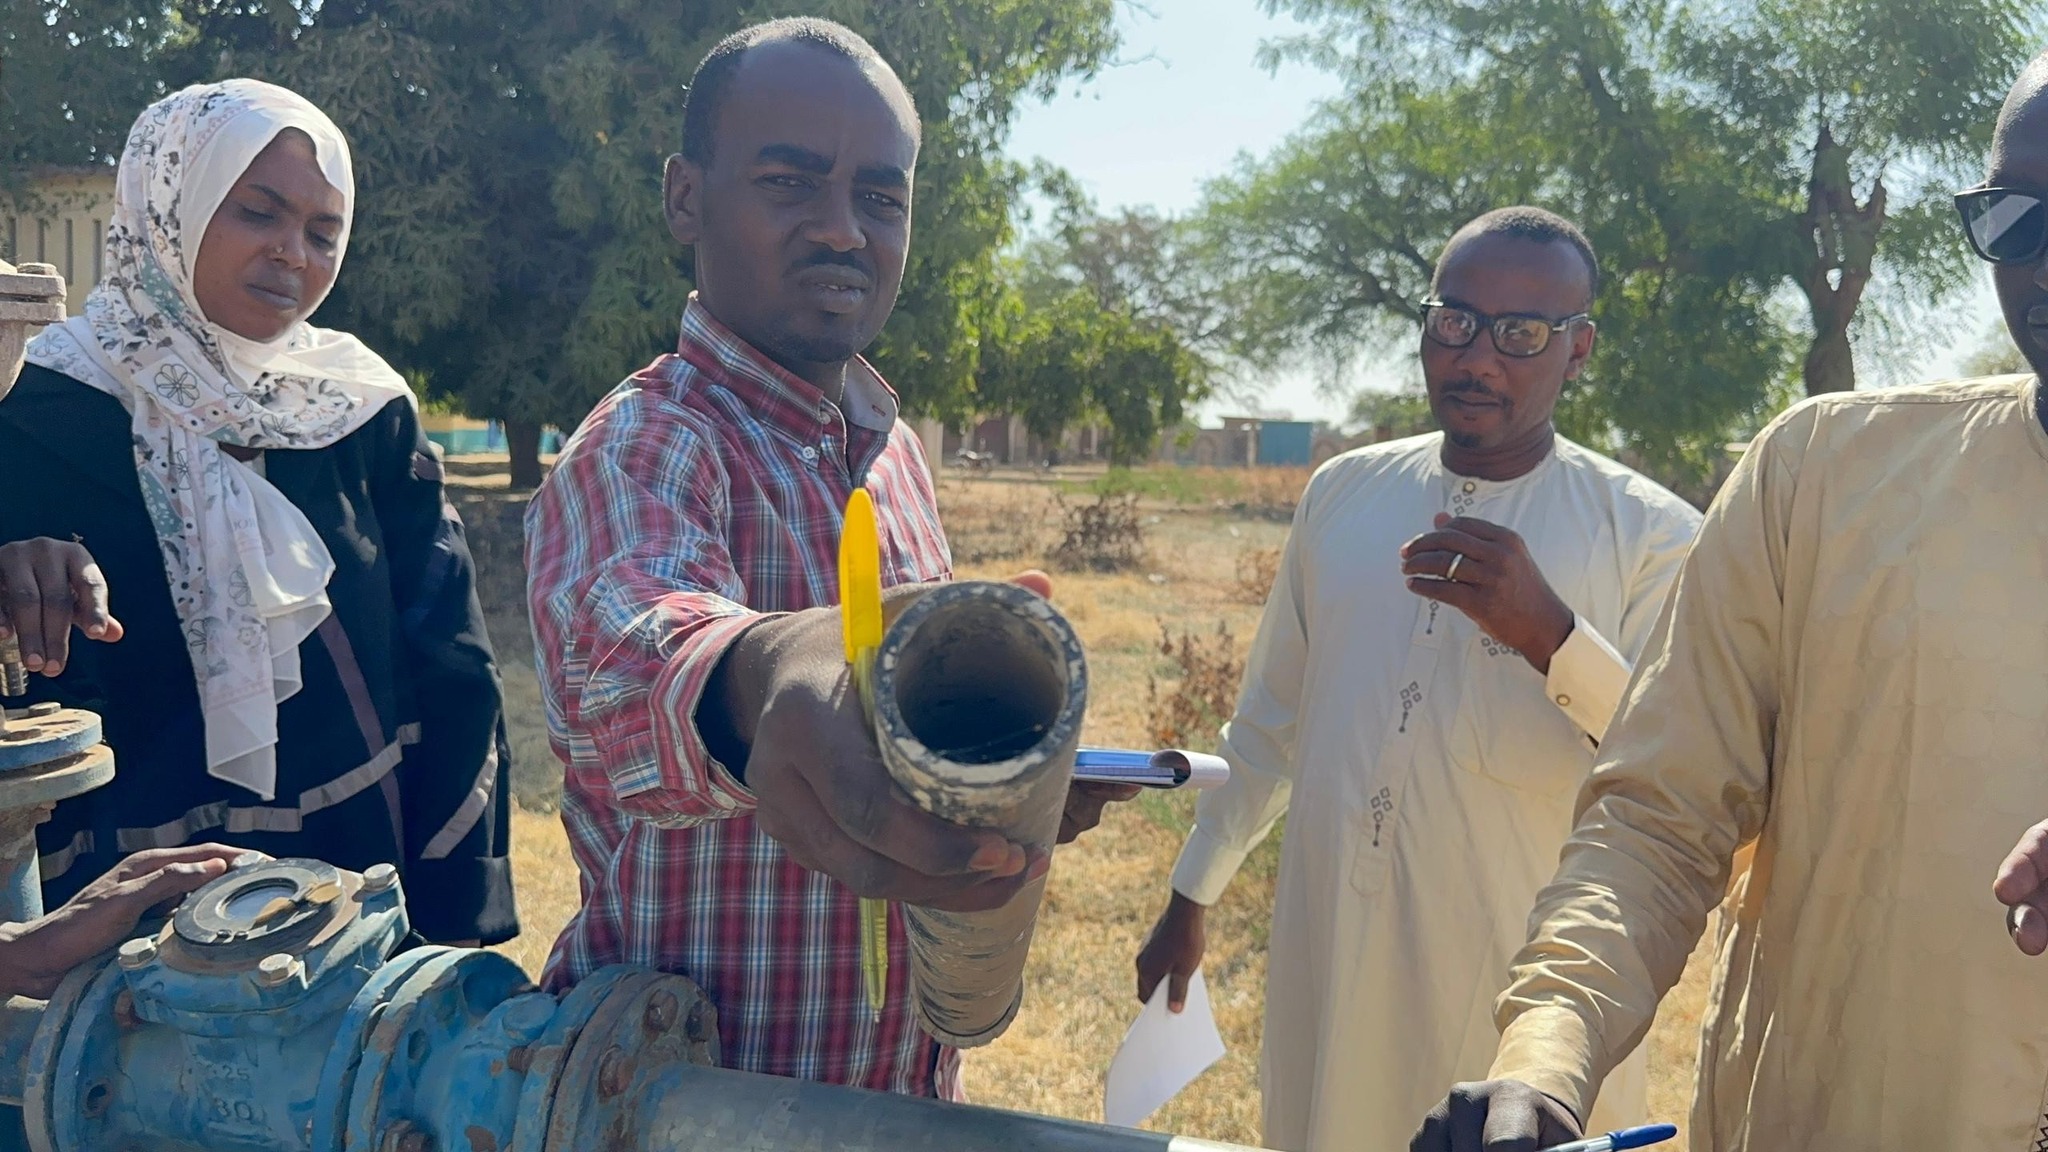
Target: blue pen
[(1641, 1137)]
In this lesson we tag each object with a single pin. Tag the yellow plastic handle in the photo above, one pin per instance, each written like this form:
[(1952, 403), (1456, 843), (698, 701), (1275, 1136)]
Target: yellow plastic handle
[(860, 577), (860, 608)]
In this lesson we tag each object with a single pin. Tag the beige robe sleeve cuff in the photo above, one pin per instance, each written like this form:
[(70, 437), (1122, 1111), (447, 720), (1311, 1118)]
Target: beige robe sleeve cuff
[(1587, 679), (1551, 1050), (1205, 867)]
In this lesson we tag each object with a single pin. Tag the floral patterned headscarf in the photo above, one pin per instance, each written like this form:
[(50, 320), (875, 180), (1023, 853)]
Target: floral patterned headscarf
[(248, 574)]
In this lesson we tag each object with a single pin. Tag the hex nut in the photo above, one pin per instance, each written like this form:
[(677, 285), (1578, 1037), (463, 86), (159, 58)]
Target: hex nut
[(137, 953), (404, 1136), (614, 1072), (661, 1013), (276, 968)]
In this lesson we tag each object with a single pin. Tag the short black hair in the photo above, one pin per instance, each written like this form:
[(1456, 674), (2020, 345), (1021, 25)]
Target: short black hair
[(1526, 223), (713, 78)]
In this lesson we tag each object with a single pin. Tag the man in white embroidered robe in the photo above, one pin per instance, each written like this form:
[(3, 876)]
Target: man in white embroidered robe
[(1450, 632)]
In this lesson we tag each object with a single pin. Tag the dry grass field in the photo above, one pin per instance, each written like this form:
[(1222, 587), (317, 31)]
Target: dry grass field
[(1207, 538)]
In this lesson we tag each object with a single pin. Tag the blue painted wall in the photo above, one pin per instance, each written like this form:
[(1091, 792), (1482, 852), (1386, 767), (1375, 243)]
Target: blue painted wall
[(1285, 441)]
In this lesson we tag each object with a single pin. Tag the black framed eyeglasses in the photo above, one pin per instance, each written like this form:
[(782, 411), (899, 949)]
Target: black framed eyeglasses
[(1455, 326), (2004, 225)]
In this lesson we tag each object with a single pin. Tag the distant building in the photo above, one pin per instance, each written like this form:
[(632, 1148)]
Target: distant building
[(1285, 442), (1008, 441), (461, 435), (61, 219), (1242, 442), (458, 435)]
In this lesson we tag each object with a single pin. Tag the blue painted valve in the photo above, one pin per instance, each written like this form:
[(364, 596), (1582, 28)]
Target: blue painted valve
[(269, 1015), (266, 1015)]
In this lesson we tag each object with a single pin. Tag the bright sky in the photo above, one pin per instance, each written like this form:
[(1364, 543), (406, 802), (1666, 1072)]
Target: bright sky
[(1188, 97)]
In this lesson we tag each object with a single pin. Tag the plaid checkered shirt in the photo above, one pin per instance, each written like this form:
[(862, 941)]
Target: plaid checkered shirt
[(704, 490)]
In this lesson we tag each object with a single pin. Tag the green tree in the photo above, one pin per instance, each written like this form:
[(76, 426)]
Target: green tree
[(1097, 319), (1404, 413), (1136, 260), (1055, 360), (1328, 245), (509, 242), (1996, 356), (73, 74), (1721, 157)]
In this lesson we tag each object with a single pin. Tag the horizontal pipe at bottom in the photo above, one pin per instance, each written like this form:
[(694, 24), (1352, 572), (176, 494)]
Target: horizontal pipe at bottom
[(688, 1108)]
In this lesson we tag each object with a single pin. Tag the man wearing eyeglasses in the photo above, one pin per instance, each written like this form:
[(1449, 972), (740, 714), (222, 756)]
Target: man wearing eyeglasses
[(1451, 628), (1850, 674)]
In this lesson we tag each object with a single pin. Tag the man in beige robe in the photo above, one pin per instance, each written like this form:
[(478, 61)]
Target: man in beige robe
[(1852, 672)]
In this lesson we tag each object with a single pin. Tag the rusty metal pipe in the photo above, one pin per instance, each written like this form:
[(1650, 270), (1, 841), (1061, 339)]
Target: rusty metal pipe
[(689, 1108), (30, 296), (979, 690)]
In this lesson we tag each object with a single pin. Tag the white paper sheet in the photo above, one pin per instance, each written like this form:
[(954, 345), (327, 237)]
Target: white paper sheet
[(1161, 1054)]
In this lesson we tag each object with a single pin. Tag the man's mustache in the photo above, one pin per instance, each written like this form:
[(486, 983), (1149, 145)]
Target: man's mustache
[(1470, 388), (827, 258)]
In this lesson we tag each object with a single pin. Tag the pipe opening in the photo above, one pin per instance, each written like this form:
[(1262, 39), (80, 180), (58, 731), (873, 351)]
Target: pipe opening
[(981, 684)]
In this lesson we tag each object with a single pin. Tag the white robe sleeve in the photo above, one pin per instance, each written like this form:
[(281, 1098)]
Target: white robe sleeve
[(1589, 674), (1258, 741), (1587, 677)]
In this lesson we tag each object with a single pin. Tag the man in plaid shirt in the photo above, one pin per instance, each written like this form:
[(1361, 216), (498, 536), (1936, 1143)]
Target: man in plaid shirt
[(725, 802)]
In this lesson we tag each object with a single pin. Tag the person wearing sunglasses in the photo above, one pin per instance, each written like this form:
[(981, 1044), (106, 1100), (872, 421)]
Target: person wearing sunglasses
[(1454, 620), (1850, 675)]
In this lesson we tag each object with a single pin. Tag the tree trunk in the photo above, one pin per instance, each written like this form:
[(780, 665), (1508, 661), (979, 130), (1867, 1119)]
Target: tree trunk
[(522, 440), (1842, 235), (1830, 364)]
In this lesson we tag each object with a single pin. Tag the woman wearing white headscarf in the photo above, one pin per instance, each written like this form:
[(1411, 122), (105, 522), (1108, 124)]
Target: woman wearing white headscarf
[(301, 663)]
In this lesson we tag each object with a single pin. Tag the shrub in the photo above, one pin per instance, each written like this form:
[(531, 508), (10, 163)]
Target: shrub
[(1257, 568), (1201, 687), (1106, 536)]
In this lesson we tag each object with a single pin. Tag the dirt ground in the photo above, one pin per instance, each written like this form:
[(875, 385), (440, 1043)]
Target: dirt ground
[(1105, 890)]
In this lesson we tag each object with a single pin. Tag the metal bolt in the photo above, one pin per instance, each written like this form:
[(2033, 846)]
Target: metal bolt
[(276, 968), (404, 1136), (520, 1059), (613, 1072), (137, 953), (662, 1010), (124, 1011), (46, 708), (526, 1018), (13, 673), (378, 878)]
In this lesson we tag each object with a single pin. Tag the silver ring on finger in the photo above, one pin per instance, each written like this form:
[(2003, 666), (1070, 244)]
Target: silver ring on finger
[(1451, 573)]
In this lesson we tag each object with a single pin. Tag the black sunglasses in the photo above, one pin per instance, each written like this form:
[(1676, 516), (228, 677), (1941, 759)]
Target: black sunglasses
[(2004, 225), (1454, 326)]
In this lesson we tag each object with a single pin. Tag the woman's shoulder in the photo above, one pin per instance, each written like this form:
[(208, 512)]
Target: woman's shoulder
[(391, 432), (52, 405), (49, 386)]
